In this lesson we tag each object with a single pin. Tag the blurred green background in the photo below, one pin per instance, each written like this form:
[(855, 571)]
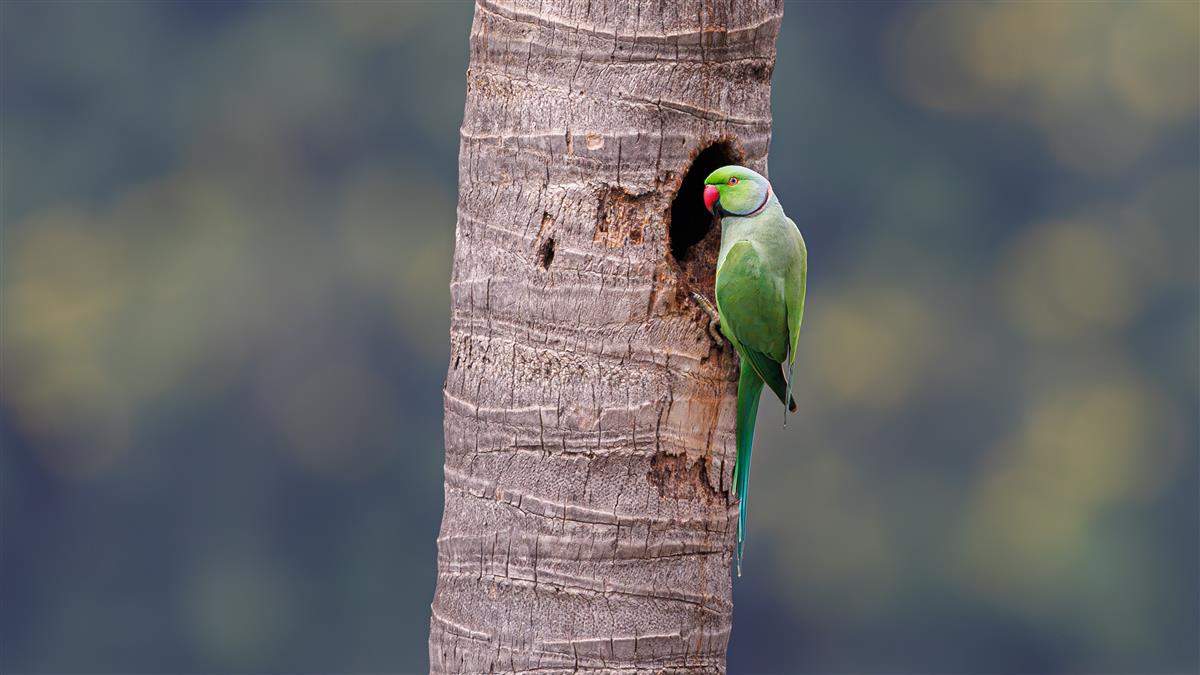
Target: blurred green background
[(227, 233)]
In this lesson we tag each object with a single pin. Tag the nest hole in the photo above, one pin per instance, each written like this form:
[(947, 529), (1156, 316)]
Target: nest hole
[(694, 242), (690, 220)]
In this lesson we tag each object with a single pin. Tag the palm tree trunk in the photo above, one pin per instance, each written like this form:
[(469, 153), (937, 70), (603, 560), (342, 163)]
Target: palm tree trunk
[(589, 417)]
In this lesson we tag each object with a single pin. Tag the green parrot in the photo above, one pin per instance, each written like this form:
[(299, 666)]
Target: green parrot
[(761, 273)]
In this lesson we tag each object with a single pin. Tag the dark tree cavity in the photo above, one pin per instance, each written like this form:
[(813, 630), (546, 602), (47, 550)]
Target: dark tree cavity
[(694, 242), (546, 253), (690, 221)]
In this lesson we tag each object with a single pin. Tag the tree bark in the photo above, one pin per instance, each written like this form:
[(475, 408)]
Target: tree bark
[(589, 417)]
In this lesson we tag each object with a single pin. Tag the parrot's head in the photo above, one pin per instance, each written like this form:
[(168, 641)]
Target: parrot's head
[(736, 191)]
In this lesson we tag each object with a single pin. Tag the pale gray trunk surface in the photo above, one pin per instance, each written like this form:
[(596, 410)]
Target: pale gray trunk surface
[(589, 418)]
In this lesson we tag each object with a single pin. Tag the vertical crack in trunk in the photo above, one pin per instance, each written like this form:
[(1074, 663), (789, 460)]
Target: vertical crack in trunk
[(588, 419)]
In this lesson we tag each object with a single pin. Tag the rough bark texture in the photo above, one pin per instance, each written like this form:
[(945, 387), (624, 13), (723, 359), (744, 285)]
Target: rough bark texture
[(588, 415)]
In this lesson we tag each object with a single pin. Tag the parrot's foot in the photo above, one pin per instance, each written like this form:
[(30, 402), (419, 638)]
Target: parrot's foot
[(714, 318)]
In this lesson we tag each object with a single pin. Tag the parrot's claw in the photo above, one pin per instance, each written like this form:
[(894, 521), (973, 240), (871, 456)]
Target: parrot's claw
[(714, 318), (714, 329)]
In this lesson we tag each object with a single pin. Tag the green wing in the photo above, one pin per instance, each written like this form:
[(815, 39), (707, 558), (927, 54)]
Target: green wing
[(752, 316), (771, 372), (797, 281)]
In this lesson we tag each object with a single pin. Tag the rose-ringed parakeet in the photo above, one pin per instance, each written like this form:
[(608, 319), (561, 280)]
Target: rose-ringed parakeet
[(761, 273)]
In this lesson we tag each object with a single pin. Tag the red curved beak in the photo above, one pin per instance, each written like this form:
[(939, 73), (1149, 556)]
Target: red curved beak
[(711, 195)]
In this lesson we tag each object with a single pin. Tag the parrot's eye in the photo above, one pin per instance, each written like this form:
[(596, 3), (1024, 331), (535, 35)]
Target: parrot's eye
[(733, 180)]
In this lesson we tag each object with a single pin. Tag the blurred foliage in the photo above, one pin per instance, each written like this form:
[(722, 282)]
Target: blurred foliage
[(227, 231), (226, 242)]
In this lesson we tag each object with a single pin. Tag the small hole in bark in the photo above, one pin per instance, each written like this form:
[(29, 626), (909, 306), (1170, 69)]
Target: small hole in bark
[(546, 253), (677, 477), (690, 220)]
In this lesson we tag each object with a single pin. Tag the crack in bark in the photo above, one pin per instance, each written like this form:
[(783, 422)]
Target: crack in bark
[(533, 584), (545, 21)]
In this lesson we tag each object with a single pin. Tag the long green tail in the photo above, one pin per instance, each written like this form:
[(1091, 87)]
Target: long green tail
[(749, 389)]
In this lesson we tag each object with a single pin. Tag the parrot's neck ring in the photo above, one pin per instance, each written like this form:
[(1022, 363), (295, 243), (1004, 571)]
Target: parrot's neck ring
[(755, 212)]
